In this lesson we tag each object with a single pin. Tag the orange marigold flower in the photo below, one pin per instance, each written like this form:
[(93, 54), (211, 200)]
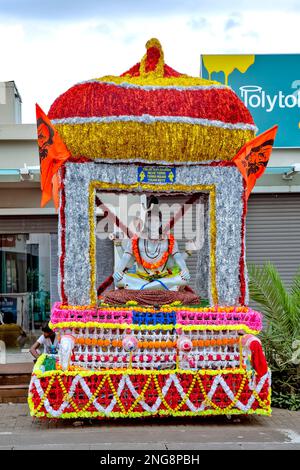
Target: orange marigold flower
[(158, 264)]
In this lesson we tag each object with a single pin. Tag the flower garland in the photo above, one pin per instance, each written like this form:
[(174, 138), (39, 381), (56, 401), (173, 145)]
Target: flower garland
[(242, 298), (189, 390), (62, 218), (156, 344), (118, 343), (87, 373), (164, 308), (157, 264), (113, 326), (151, 318), (162, 413)]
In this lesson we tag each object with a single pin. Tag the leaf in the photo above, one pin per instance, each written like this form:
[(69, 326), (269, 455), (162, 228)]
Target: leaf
[(281, 308)]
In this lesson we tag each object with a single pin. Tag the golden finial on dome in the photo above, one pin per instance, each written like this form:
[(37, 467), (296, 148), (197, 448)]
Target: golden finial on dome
[(152, 64)]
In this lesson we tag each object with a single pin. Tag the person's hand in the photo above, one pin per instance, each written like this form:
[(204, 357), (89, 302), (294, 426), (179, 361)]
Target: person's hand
[(185, 275), (118, 276)]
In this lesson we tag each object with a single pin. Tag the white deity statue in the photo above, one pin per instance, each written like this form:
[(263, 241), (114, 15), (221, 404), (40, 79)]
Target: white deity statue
[(160, 265)]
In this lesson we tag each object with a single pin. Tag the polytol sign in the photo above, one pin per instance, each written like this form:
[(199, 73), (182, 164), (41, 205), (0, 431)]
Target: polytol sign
[(255, 97), (269, 85)]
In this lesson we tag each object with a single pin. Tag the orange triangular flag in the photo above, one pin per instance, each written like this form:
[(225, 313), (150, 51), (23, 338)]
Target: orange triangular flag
[(53, 154), (252, 159)]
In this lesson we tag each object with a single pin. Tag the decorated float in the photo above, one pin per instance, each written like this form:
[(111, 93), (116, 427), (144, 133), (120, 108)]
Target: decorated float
[(145, 343)]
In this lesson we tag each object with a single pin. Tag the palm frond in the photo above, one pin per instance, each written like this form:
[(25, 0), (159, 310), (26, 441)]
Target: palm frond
[(295, 296), (267, 289)]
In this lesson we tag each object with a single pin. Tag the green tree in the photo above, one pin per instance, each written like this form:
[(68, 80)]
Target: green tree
[(281, 333)]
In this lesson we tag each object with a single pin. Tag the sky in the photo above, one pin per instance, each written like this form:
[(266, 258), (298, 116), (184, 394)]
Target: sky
[(48, 46)]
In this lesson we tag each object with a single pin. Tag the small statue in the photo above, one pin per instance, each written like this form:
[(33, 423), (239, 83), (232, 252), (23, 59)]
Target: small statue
[(157, 257)]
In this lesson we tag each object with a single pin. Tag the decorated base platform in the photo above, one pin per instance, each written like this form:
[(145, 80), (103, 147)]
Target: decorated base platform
[(136, 393), (214, 335), (105, 379)]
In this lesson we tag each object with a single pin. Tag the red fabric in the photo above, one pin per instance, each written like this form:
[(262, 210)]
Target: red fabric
[(63, 238), (258, 359), (242, 258), (253, 157), (99, 99), (150, 297), (105, 284)]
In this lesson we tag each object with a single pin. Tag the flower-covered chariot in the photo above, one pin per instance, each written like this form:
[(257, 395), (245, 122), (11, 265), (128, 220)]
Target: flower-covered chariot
[(145, 343)]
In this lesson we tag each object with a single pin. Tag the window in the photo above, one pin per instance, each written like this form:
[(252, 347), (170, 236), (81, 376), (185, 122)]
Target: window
[(24, 288)]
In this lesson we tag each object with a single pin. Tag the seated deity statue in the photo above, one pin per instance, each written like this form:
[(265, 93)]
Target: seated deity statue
[(160, 265)]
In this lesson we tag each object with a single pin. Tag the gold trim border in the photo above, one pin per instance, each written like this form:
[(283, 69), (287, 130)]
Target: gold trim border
[(153, 187)]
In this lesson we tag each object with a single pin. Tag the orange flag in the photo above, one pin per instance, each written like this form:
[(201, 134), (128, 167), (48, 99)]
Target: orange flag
[(253, 157), (53, 154), (55, 190)]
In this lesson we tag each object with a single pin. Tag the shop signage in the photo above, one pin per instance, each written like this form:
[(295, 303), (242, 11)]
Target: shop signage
[(268, 84)]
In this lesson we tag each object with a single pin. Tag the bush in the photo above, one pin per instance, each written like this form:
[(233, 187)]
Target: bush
[(281, 334)]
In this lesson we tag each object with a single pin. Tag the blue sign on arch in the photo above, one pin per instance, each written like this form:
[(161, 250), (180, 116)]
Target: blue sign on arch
[(156, 174), (269, 85)]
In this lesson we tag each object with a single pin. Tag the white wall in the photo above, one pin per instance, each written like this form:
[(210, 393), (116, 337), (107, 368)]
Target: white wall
[(10, 103)]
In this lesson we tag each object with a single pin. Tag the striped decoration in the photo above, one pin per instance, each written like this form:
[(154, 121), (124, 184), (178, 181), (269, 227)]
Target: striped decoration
[(152, 114)]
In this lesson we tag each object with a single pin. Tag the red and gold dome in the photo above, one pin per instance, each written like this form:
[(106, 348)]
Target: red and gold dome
[(152, 113)]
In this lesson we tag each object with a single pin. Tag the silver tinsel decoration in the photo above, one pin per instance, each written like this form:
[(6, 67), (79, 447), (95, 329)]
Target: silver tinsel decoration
[(229, 209)]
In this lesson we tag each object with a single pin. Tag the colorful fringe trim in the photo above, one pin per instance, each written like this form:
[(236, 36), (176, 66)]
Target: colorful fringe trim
[(56, 394), (215, 317)]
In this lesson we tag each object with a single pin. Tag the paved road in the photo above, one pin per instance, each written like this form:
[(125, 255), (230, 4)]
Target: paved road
[(19, 431)]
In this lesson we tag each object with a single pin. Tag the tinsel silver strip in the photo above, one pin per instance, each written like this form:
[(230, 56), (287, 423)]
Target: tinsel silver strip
[(157, 87), (149, 119), (229, 210), (202, 272)]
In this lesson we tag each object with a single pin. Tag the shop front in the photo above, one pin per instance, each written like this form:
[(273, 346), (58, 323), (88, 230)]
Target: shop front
[(25, 282)]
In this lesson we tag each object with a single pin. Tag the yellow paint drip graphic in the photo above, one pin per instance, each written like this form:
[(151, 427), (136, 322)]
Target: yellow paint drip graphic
[(227, 64)]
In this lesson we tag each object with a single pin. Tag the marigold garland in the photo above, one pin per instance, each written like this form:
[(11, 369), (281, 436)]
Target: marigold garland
[(87, 373), (164, 308), (157, 264), (156, 344), (113, 326), (153, 384), (162, 413)]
